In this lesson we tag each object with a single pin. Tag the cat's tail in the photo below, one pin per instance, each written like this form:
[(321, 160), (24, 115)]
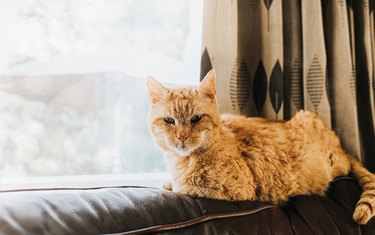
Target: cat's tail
[(365, 208)]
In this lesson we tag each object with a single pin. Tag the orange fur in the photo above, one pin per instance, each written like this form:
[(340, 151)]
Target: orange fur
[(235, 158)]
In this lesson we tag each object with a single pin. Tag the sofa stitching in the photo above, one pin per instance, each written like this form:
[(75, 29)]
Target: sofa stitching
[(188, 223), (68, 188), (119, 186)]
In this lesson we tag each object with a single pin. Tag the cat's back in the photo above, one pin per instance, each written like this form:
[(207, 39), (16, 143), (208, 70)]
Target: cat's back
[(281, 154), (302, 121), (253, 127), (295, 137)]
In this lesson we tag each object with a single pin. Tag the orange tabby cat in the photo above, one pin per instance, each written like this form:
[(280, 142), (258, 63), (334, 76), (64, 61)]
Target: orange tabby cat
[(240, 158)]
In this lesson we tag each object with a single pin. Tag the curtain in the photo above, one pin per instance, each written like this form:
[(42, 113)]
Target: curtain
[(275, 57)]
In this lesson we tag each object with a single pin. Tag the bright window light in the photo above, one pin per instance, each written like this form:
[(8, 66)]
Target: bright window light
[(73, 99)]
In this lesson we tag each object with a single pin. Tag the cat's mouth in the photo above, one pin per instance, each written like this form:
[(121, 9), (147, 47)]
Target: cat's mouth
[(182, 149)]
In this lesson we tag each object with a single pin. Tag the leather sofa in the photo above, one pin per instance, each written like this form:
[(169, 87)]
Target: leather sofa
[(137, 210)]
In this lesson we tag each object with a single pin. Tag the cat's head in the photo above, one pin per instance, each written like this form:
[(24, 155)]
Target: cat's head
[(183, 119)]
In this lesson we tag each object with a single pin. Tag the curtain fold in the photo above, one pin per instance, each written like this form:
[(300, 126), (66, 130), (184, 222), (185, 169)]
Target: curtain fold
[(220, 44), (341, 74), (365, 77), (293, 60), (314, 60), (275, 57)]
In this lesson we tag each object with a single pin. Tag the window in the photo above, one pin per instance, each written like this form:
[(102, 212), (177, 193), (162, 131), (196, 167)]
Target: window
[(73, 99)]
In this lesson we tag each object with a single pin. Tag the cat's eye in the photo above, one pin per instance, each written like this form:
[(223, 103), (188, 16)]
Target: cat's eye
[(196, 119), (169, 120)]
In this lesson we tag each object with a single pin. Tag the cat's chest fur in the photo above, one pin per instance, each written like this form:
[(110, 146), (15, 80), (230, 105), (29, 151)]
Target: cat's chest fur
[(218, 170)]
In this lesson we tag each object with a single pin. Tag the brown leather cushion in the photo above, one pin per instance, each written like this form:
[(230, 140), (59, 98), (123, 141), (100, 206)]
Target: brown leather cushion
[(131, 210)]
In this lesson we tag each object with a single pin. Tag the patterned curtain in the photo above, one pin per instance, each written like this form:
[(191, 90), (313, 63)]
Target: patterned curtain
[(274, 57)]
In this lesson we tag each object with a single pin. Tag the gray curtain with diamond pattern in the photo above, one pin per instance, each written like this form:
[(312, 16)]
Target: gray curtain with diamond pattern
[(274, 57)]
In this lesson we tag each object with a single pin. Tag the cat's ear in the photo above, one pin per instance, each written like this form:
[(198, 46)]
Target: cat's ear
[(156, 90), (208, 84)]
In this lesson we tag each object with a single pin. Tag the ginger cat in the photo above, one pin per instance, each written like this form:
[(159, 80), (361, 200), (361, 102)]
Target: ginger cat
[(242, 158)]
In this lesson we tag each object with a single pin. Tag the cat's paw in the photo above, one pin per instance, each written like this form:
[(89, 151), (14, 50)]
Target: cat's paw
[(362, 213), (167, 186)]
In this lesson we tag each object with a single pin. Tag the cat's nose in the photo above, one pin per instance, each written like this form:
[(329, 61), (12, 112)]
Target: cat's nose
[(182, 137)]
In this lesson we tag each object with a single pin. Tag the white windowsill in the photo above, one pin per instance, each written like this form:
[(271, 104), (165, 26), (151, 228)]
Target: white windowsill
[(84, 181)]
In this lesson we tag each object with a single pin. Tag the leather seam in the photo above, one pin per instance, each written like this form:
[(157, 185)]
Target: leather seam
[(72, 188), (191, 222), (119, 186)]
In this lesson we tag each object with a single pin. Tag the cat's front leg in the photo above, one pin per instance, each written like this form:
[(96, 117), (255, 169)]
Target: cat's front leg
[(167, 186)]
